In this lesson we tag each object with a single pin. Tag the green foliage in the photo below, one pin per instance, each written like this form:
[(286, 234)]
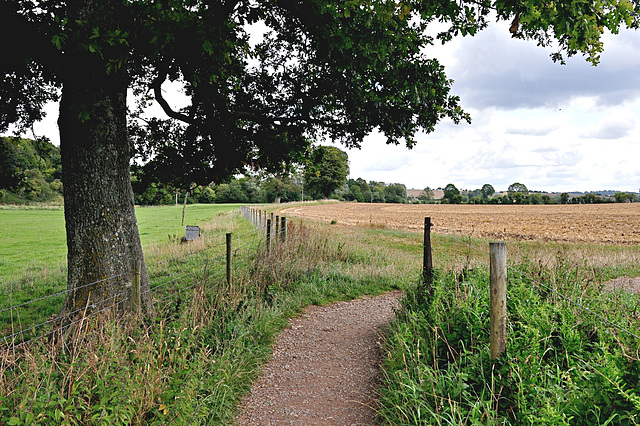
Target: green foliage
[(326, 171), (358, 190), (563, 364), (30, 170), (243, 190), (518, 188), (487, 191), (395, 193), (451, 195), (427, 195), (376, 192), (281, 189), (623, 197)]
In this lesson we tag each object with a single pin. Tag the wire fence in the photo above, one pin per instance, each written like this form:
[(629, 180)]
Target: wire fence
[(471, 247), (167, 278)]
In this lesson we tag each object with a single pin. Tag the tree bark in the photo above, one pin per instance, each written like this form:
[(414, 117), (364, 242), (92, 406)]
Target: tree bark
[(101, 226)]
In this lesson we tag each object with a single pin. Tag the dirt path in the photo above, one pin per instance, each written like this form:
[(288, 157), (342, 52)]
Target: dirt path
[(324, 369)]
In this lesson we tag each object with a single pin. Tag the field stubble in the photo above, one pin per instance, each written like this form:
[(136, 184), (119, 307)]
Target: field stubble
[(597, 223)]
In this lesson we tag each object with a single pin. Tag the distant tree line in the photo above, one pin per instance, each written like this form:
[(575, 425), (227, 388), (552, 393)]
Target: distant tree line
[(30, 170), (517, 193), (249, 189), (372, 192), (320, 174)]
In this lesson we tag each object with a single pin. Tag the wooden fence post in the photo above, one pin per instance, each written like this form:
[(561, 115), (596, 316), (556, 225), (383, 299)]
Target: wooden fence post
[(498, 297), (136, 265), (283, 229), (277, 227), (229, 258), (427, 260), (268, 240), (272, 215)]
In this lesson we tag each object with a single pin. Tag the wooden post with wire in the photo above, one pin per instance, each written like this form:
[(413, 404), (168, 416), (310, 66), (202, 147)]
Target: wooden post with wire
[(136, 266), (283, 229), (498, 298), (427, 260), (268, 240), (277, 227), (229, 258)]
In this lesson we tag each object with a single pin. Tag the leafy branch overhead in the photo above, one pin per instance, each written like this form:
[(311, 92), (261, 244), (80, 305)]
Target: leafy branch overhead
[(323, 69)]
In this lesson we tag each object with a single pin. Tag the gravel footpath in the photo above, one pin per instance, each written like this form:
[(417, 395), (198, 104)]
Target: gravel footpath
[(324, 369)]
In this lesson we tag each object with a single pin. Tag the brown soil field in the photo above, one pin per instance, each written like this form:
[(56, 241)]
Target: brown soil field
[(596, 223)]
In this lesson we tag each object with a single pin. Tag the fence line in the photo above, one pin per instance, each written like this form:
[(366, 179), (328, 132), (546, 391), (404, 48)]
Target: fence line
[(552, 290), (251, 239)]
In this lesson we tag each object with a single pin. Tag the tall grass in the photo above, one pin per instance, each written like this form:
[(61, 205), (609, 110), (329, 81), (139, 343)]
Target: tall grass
[(573, 352), (192, 361)]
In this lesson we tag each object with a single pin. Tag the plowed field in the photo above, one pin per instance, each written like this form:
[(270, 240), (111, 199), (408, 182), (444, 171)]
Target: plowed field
[(598, 223)]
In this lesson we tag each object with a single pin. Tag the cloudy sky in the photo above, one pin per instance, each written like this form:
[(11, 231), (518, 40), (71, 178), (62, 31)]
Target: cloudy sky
[(552, 127)]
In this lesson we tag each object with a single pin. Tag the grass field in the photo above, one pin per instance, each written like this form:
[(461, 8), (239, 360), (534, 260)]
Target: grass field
[(33, 241), (33, 254)]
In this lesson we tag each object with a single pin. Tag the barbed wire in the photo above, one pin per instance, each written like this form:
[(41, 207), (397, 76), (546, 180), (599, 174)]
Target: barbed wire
[(186, 255), (62, 292), (151, 265)]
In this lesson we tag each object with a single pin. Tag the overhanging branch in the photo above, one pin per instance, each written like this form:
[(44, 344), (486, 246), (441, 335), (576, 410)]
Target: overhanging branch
[(157, 91)]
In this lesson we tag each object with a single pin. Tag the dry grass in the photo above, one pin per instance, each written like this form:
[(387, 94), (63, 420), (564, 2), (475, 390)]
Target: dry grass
[(598, 223), (461, 235)]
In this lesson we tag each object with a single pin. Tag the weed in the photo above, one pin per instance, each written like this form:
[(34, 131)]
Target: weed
[(563, 365)]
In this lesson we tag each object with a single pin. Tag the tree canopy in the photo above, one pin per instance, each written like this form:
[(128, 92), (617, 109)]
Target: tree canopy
[(326, 170), (334, 69), (29, 169), (451, 194)]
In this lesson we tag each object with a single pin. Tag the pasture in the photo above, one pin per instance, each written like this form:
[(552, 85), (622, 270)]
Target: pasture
[(33, 240)]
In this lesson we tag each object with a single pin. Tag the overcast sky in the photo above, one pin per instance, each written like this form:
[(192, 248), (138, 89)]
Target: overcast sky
[(552, 127)]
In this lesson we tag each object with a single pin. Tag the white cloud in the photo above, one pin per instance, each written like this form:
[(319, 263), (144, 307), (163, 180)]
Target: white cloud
[(613, 126)]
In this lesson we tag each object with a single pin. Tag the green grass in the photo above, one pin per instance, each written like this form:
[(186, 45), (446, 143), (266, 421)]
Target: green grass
[(34, 240), (29, 238), (33, 252), (196, 356), (564, 365)]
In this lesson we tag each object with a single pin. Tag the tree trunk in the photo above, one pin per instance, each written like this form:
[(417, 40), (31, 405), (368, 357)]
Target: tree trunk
[(102, 232)]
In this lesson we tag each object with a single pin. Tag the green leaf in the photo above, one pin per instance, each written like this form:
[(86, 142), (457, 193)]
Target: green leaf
[(13, 421)]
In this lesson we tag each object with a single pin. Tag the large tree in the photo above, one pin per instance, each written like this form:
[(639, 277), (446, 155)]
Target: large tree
[(327, 169), (324, 69)]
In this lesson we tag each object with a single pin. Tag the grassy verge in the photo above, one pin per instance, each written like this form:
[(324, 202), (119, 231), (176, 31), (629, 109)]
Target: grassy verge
[(564, 363), (192, 360)]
